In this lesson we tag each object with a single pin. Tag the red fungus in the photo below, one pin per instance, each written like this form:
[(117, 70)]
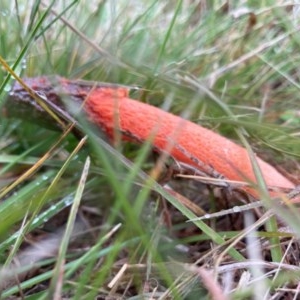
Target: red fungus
[(186, 141)]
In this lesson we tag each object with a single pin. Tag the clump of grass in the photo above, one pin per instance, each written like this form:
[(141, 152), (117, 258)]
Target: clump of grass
[(235, 65)]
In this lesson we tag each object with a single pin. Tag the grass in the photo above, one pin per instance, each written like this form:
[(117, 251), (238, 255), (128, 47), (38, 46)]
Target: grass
[(233, 69)]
